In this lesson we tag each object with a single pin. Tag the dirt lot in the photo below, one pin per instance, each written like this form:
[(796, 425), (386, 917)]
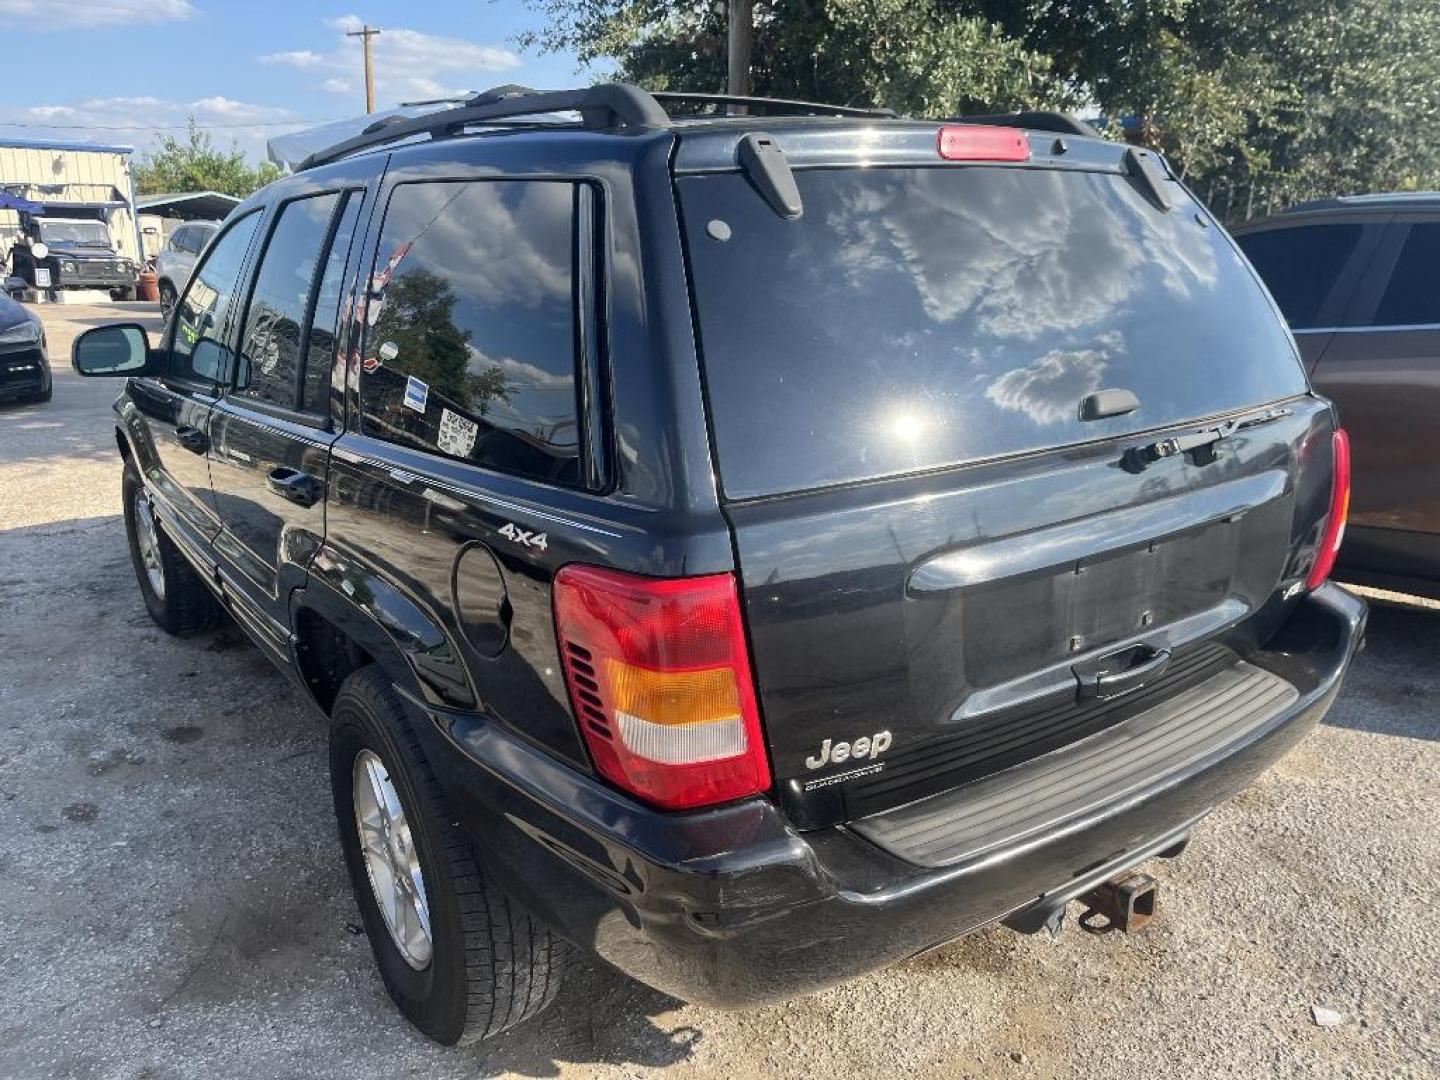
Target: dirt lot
[(175, 903)]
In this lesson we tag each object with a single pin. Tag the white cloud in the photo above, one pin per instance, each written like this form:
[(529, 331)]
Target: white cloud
[(407, 62), (54, 15), (141, 121), (52, 112), (300, 58)]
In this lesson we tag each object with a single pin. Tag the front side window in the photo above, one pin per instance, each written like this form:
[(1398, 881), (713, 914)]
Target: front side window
[(1300, 266), (471, 350), (1412, 296), (269, 368), (198, 350)]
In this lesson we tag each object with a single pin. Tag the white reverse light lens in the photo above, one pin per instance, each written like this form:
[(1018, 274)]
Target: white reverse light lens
[(682, 744)]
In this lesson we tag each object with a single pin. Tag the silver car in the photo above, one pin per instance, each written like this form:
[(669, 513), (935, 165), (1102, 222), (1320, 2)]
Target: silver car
[(176, 261)]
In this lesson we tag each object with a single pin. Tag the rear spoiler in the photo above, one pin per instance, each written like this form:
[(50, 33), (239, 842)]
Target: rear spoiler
[(1035, 120)]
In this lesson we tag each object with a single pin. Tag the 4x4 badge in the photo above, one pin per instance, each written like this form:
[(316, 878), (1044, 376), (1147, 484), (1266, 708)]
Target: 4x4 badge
[(537, 541)]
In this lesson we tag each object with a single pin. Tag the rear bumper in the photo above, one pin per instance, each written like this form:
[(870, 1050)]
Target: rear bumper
[(732, 906)]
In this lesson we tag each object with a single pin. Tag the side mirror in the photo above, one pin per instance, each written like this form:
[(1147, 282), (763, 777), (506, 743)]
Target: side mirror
[(121, 349)]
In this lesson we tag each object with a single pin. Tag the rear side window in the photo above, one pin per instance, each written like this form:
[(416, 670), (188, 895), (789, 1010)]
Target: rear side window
[(269, 366), (198, 350), (915, 318), (180, 240), (471, 350), (1412, 296), (1300, 266)]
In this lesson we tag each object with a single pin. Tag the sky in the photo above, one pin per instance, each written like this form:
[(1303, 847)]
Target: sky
[(127, 71)]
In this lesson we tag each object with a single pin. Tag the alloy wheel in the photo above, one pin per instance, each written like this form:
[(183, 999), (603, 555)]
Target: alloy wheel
[(147, 541), (391, 859)]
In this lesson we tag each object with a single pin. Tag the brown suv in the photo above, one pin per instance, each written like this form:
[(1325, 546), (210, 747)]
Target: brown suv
[(1356, 279)]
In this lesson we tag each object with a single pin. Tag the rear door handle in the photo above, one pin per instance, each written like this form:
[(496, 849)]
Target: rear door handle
[(1120, 672), (297, 487), (192, 439)]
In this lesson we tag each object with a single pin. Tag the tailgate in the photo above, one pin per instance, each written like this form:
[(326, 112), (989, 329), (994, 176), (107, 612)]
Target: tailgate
[(917, 633), (941, 401)]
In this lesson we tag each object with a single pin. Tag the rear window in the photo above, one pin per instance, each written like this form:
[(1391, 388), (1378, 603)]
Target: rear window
[(923, 317)]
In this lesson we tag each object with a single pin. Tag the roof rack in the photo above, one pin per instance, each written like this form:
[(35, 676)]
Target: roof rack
[(620, 105), (1377, 200), (608, 105), (1035, 120), (770, 105)]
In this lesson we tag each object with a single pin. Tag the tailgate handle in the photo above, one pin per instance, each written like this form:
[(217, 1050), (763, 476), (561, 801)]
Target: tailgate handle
[(1120, 672)]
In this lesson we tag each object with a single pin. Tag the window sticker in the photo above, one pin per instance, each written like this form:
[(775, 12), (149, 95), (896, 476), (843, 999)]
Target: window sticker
[(457, 434), (417, 393), (388, 351)]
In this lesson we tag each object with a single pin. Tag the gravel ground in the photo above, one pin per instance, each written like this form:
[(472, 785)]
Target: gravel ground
[(175, 903)]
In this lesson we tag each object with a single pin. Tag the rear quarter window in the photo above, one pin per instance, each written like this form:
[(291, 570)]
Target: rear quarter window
[(915, 318), (1412, 296), (1301, 266)]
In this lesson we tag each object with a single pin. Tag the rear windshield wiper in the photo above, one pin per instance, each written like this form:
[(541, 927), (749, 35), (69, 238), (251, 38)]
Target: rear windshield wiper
[(1200, 445)]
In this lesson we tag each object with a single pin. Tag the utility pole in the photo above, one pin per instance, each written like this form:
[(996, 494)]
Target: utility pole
[(742, 37), (366, 34)]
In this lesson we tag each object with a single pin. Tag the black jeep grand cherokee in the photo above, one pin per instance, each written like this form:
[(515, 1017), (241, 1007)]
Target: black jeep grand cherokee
[(752, 549)]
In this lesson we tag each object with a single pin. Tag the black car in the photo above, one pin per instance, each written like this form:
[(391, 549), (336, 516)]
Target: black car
[(24, 363), (71, 253), (751, 549)]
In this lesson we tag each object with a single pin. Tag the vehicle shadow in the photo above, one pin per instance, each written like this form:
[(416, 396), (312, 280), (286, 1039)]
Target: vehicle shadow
[(1396, 672), (149, 318), (601, 1017)]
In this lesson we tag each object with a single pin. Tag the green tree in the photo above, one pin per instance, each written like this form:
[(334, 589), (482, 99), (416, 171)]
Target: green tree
[(418, 317), (196, 164), (917, 56), (1298, 97)]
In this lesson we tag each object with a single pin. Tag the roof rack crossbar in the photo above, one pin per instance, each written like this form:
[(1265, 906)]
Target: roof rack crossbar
[(605, 106), (771, 105)]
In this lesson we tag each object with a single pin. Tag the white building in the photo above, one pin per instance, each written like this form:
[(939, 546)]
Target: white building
[(71, 180)]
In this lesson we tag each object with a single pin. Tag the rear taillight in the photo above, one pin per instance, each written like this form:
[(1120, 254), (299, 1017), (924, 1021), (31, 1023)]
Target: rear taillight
[(978, 142), (660, 681), (1339, 510)]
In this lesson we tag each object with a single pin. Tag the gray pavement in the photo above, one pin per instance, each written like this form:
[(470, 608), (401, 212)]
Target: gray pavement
[(175, 903)]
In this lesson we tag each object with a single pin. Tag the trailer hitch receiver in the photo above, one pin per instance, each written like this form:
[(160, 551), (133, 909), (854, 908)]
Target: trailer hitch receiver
[(1126, 903)]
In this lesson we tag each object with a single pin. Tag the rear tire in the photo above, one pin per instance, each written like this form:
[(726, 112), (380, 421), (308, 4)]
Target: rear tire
[(177, 599), (489, 963)]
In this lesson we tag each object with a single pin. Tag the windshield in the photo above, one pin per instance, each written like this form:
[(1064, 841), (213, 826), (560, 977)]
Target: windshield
[(88, 233), (915, 318)]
